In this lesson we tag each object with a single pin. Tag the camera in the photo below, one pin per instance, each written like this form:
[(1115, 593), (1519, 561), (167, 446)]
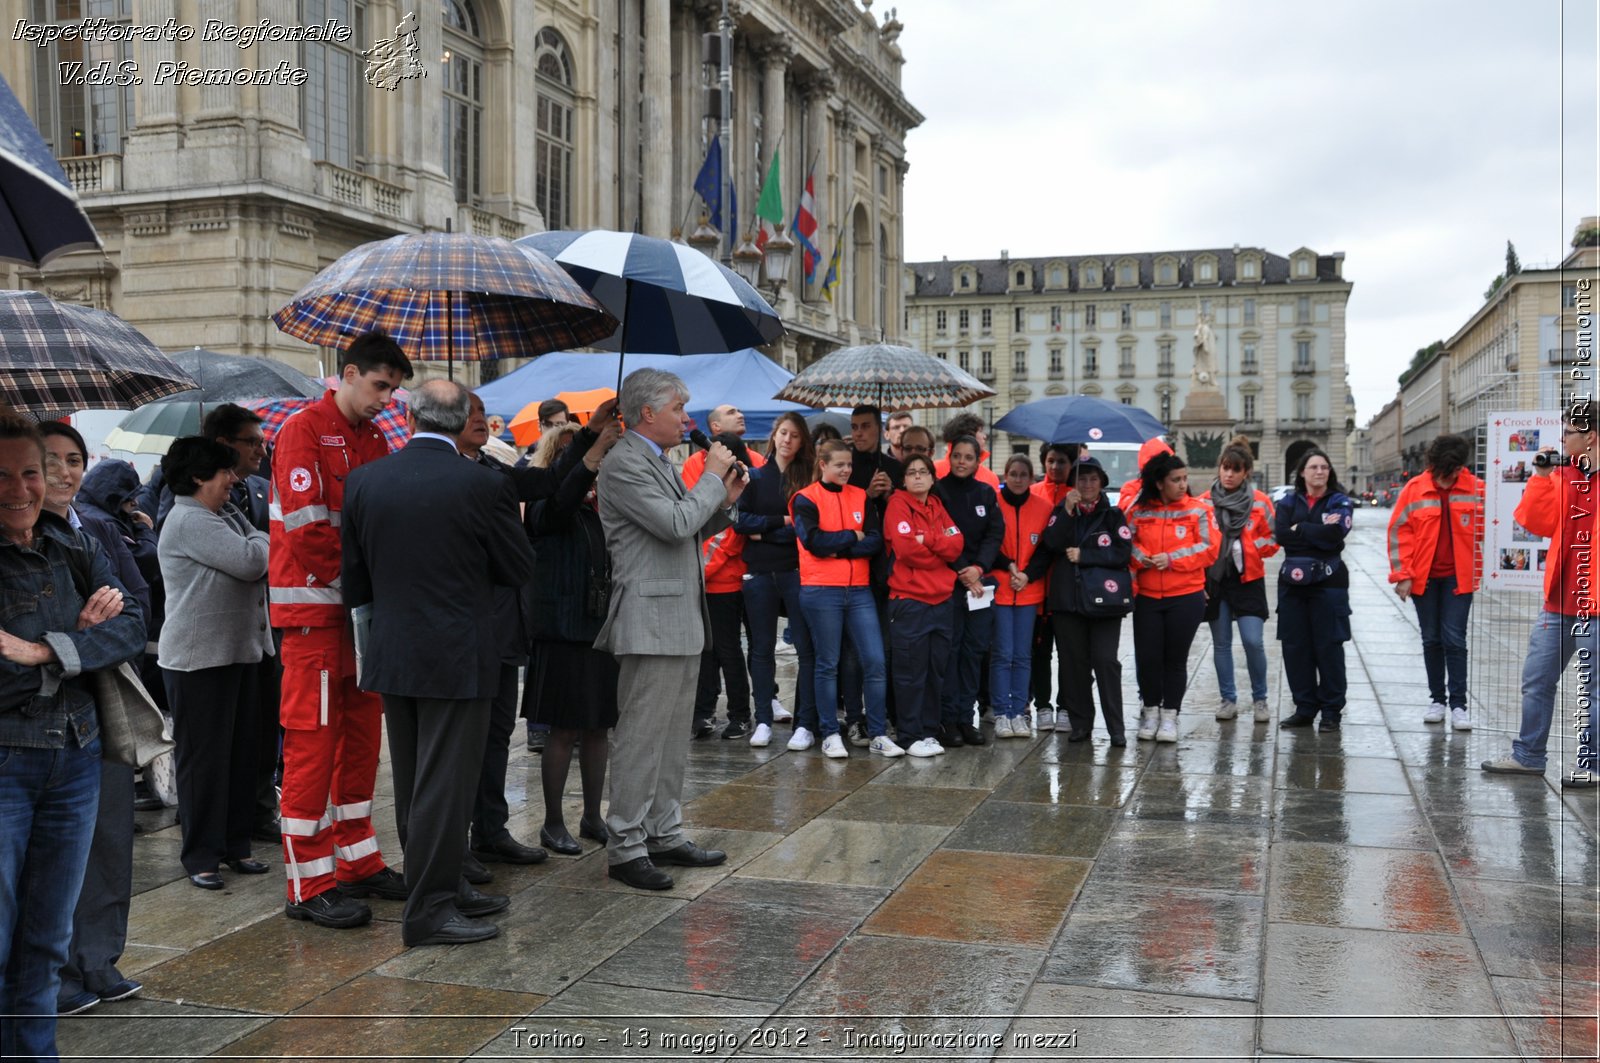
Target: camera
[(1547, 460)]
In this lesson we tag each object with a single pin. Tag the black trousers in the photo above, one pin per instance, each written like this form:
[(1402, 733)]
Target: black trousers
[(1044, 644), (269, 738), (919, 646), (1163, 631), (214, 724), (1088, 647), (435, 749), (100, 921), (490, 813), (723, 655), (1313, 626)]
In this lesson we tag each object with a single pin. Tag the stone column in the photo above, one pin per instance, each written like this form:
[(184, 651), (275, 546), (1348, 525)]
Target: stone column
[(157, 105), (657, 119), (775, 54), (819, 89)]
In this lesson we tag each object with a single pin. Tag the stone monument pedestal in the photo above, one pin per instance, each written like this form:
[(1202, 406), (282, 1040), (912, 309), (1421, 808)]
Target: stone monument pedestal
[(1202, 429)]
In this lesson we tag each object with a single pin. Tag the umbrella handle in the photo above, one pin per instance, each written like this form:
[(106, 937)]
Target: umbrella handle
[(622, 343)]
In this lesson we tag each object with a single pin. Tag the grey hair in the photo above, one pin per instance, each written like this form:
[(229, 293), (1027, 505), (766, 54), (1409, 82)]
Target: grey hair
[(441, 406), (649, 387)]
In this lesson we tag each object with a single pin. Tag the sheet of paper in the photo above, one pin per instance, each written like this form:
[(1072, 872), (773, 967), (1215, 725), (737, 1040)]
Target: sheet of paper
[(974, 604)]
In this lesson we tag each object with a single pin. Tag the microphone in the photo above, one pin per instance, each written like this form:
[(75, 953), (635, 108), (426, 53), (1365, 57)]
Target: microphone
[(699, 439)]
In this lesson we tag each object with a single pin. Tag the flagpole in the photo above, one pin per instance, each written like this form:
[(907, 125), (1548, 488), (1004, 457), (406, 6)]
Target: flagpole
[(725, 132)]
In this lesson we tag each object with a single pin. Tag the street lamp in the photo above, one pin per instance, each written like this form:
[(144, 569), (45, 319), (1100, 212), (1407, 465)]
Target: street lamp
[(780, 249), (704, 238), (747, 261)]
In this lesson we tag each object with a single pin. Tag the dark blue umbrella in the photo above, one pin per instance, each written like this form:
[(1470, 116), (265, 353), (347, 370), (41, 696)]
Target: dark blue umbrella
[(1080, 419), (39, 213)]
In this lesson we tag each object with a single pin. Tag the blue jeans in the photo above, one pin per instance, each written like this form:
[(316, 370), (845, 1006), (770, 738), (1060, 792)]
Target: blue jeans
[(1551, 644), (1251, 633), (48, 802), (1011, 663), (1443, 613), (829, 611), (763, 593), (970, 634)]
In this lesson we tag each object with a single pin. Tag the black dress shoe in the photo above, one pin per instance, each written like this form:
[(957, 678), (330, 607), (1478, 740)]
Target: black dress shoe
[(330, 909), (703, 729), (206, 880), (247, 866), (1328, 725), (536, 740), (641, 874), (1078, 736), (971, 735), (384, 883), (459, 930), (475, 872), (1119, 740), (595, 832), (473, 904), (950, 738), (1297, 721), (735, 729), (559, 843), (507, 850), (689, 855)]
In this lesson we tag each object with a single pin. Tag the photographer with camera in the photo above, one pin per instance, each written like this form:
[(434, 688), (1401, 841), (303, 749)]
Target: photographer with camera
[(1559, 502)]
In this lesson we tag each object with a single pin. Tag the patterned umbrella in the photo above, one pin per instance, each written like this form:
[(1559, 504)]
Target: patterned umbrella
[(1081, 419), (886, 376), (59, 358), (447, 296), (391, 422), (668, 298), (39, 213)]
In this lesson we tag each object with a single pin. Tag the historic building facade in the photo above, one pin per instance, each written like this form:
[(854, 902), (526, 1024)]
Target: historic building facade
[(1121, 327), (219, 195)]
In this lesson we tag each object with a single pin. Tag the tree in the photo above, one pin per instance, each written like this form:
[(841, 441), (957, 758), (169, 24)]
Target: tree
[(1513, 266), (1494, 286), (1420, 359)]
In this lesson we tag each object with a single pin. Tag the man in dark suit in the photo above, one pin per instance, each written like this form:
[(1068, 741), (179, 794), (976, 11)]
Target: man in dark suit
[(427, 538)]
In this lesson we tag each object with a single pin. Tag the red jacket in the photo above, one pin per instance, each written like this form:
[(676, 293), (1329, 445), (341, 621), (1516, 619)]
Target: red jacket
[(315, 452), (1186, 530), (1257, 539), (1564, 506), (696, 465), (1024, 525), (921, 571), (825, 522), (1414, 530), (724, 561)]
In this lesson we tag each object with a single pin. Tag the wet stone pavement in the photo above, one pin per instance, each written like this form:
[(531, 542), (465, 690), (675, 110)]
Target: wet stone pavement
[(1244, 894)]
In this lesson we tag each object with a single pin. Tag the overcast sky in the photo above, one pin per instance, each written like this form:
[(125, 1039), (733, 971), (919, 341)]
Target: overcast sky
[(1416, 137)]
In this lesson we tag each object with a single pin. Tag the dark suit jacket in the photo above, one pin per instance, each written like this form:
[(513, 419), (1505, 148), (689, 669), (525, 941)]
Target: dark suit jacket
[(427, 537)]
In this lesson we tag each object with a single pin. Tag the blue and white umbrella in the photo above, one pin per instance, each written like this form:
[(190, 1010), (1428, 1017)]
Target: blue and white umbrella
[(1080, 419), (39, 213), (668, 298)]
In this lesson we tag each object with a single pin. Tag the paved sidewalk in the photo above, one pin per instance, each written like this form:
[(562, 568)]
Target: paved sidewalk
[(1243, 894)]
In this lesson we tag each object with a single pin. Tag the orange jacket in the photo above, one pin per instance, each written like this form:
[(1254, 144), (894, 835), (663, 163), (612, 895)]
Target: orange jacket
[(1564, 507), (1256, 540), (724, 560), (1050, 491), (1414, 530), (1024, 525), (315, 452), (696, 465), (1187, 531)]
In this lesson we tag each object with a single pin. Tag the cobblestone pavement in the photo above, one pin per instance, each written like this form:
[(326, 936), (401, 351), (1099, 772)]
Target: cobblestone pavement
[(1244, 894)]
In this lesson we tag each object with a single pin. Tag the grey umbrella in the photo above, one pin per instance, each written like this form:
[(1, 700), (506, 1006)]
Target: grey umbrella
[(39, 213), (235, 378), (886, 376)]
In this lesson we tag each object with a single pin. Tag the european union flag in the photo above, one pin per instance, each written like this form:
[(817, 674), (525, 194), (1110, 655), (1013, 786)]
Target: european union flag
[(708, 186)]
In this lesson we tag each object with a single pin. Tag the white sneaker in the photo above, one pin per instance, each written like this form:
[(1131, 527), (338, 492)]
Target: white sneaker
[(1460, 720), (884, 747), (1020, 728), (801, 739), (1002, 727), (833, 746), (1149, 718), (1227, 710), (925, 747), (1435, 713), (1047, 719), (761, 736), (1168, 731), (938, 747), (784, 649), (1263, 714), (779, 713)]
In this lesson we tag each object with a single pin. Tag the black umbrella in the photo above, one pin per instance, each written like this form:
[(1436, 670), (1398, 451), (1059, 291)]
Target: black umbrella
[(39, 213), (235, 378)]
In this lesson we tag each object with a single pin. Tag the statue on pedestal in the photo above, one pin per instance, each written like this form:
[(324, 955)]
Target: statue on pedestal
[(1205, 354)]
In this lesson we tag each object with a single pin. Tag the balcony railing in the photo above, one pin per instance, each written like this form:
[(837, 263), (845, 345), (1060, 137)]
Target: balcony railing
[(1056, 373), (94, 173), (1250, 368), (1305, 368), (1019, 372), (1303, 424), (1125, 370), (362, 190), (986, 374), (1163, 369), (1090, 372)]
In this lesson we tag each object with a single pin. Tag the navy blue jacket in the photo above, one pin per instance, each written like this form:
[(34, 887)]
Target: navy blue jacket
[(1301, 531), (975, 508), (761, 511), (1103, 538)]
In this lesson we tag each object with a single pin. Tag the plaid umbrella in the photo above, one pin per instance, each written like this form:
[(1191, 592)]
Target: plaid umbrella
[(447, 296), (889, 377), (59, 358), (39, 213), (391, 422)]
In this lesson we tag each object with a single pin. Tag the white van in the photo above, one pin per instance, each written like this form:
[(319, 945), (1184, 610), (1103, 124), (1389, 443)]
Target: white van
[(1121, 463)]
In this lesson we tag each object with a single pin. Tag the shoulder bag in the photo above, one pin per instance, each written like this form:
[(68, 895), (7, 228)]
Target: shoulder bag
[(1104, 592)]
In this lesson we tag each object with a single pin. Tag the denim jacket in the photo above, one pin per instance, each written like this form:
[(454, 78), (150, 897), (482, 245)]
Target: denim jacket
[(39, 601)]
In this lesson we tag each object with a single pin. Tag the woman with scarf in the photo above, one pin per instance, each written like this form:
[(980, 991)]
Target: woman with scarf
[(1236, 591), (1016, 603)]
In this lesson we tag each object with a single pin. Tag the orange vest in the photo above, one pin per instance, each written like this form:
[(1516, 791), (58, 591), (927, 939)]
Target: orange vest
[(837, 511), (1024, 525)]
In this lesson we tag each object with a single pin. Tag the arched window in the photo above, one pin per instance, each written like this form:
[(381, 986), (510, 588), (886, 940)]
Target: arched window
[(78, 119), (462, 126), (333, 103), (553, 145)]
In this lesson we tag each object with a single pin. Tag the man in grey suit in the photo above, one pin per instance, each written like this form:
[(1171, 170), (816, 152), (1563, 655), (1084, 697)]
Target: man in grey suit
[(657, 623)]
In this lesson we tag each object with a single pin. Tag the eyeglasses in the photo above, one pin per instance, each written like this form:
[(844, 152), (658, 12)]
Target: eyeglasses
[(250, 441)]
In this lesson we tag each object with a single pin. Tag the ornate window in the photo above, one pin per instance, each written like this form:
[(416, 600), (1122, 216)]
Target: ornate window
[(1089, 275), (1249, 408), (553, 122), (1090, 313), (963, 319), (82, 119), (987, 318), (462, 123), (333, 102)]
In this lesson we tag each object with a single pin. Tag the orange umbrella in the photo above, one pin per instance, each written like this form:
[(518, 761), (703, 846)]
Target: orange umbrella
[(580, 405)]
